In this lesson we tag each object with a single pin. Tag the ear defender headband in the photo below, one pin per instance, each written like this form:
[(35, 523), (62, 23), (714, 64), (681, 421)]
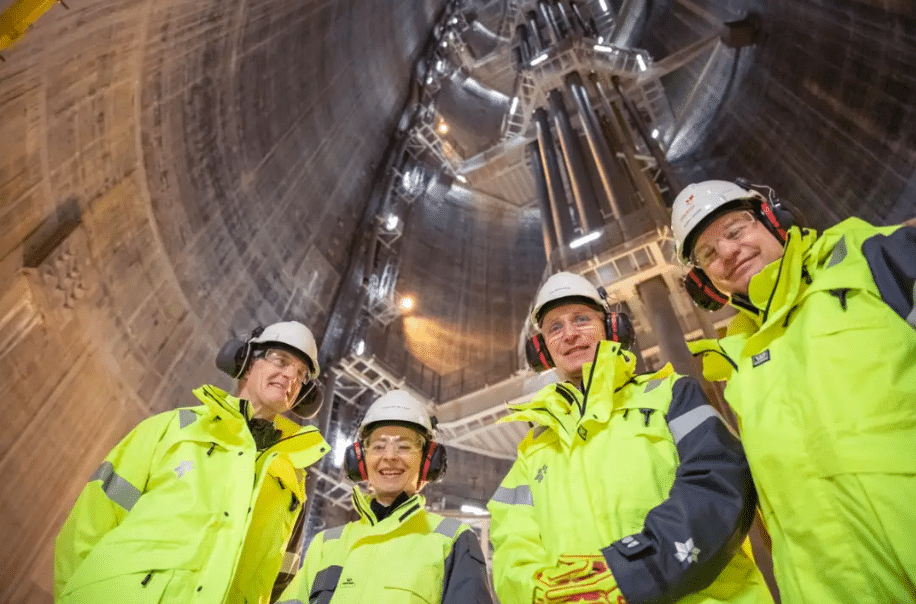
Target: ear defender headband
[(235, 356), (432, 465), (617, 328), (772, 213)]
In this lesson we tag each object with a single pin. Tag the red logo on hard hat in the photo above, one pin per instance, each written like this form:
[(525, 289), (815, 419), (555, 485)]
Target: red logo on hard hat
[(689, 199)]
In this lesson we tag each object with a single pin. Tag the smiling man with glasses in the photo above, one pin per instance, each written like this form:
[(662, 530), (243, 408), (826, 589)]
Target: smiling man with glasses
[(628, 487), (821, 368), (199, 504), (396, 552)]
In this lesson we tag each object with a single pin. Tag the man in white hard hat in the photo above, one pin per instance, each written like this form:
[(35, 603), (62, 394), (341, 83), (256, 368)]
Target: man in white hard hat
[(821, 369), (396, 552), (198, 504), (629, 487)]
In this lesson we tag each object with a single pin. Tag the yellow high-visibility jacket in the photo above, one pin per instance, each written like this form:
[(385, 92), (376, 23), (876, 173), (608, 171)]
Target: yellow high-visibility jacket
[(186, 510), (639, 468), (407, 557), (821, 370)]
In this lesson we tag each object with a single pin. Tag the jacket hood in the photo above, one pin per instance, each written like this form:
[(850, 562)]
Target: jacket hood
[(561, 407)]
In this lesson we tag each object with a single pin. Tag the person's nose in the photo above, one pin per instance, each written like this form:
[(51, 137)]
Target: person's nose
[(390, 450), (727, 248)]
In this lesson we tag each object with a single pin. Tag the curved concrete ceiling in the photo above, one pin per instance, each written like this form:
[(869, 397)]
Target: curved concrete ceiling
[(173, 171)]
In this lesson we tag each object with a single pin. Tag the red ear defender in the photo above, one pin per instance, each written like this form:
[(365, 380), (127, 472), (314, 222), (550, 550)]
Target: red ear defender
[(703, 292), (536, 353), (619, 328), (780, 232), (434, 463), (355, 462)]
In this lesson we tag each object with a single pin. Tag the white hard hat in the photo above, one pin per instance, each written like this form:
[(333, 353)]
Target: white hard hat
[(400, 407), (563, 285), (294, 335), (697, 202)]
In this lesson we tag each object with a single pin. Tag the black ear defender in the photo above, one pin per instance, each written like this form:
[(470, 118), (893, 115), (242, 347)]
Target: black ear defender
[(617, 328), (432, 466), (234, 357)]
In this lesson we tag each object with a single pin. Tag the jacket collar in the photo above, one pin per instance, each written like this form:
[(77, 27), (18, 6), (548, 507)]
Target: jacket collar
[(561, 407), (303, 444), (362, 503)]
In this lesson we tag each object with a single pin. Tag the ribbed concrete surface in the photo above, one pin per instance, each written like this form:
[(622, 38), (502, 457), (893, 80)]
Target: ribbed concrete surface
[(174, 169), (205, 164)]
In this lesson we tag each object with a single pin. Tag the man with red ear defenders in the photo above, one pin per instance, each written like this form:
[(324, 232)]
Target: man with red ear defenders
[(821, 369), (197, 504), (629, 487), (396, 552)]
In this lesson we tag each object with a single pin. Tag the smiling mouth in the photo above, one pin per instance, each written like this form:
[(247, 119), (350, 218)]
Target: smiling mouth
[(576, 349), (391, 472)]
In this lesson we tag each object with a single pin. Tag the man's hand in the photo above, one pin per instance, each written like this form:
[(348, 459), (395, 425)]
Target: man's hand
[(577, 578)]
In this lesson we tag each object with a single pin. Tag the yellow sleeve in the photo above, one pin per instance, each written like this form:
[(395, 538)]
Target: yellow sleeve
[(516, 538), (108, 497)]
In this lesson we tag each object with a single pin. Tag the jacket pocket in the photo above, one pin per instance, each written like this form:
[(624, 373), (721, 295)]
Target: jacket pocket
[(420, 587), (135, 588)]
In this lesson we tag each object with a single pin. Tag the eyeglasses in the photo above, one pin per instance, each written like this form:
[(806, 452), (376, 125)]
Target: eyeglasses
[(282, 359), (580, 322), (403, 447), (735, 230)]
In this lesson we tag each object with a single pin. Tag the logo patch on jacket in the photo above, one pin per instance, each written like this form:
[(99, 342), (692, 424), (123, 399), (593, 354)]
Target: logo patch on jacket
[(348, 582), (542, 472), (183, 468), (687, 551), (760, 358)]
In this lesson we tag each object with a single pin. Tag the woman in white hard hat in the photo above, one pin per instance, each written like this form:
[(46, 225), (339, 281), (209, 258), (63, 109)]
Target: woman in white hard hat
[(628, 488), (198, 503), (397, 552), (821, 370)]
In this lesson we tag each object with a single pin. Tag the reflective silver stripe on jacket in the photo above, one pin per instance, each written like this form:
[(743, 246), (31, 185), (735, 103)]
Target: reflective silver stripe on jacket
[(186, 417), (448, 527), (687, 423), (839, 252), (116, 488), (520, 495), (334, 533), (292, 602), (653, 384)]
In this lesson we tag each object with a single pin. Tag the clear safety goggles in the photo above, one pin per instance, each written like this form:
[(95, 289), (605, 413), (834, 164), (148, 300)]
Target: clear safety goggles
[(736, 228)]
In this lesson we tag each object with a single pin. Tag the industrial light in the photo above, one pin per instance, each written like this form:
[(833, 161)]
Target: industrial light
[(603, 48), (583, 240), (391, 222), (655, 133), (341, 442), (640, 62), (443, 128), (603, 5), (539, 59), (461, 178), (406, 303), (513, 105), (360, 347)]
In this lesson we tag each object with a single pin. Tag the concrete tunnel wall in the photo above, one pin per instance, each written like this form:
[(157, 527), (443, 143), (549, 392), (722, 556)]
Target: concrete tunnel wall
[(174, 170)]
